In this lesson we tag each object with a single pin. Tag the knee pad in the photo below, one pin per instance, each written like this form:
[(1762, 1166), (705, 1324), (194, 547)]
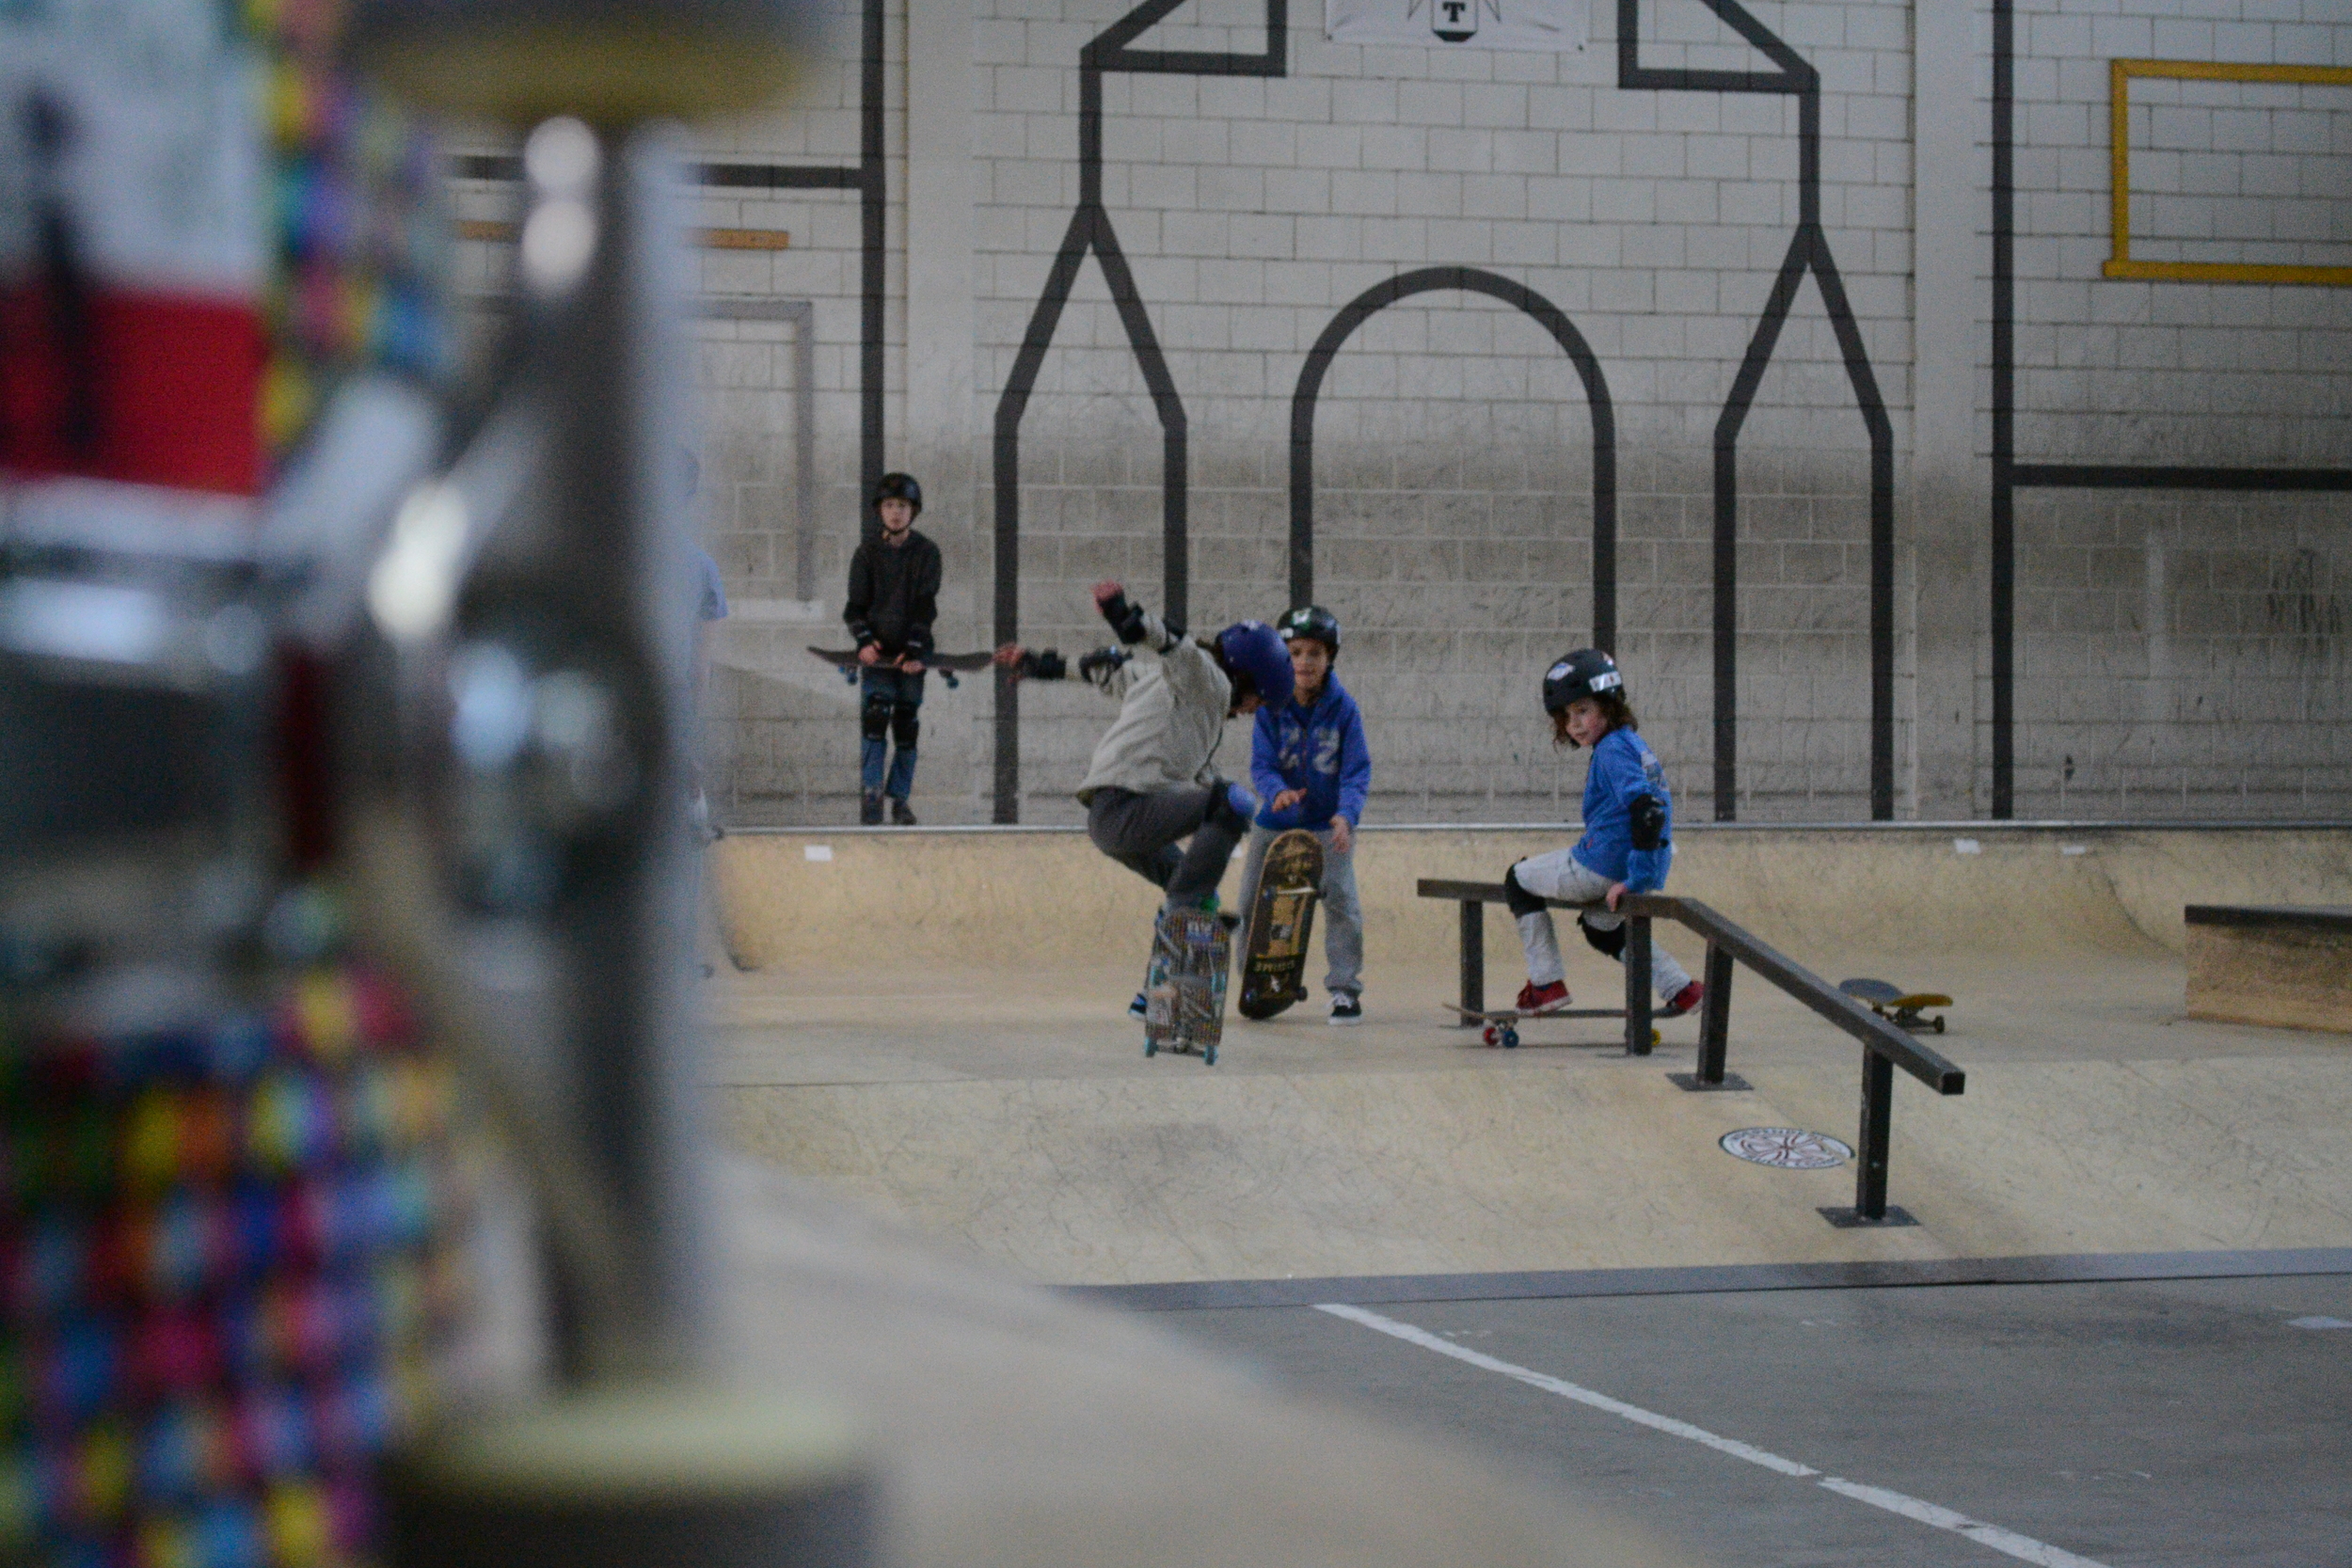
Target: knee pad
[(873, 717), (905, 725), (1610, 941), (1518, 899)]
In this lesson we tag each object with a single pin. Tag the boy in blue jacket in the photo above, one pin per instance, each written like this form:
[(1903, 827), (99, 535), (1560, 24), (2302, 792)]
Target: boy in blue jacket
[(1627, 845), (1312, 770)]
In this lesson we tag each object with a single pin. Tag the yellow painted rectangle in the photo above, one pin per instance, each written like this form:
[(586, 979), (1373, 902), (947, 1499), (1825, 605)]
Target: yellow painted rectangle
[(2120, 262)]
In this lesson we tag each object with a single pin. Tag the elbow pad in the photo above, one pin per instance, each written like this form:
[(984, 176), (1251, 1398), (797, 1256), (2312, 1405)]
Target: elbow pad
[(1101, 660), (1126, 618), (1645, 815), (1044, 665)]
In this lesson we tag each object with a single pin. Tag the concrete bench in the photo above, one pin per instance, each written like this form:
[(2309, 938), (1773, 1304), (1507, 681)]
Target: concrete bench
[(2283, 966)]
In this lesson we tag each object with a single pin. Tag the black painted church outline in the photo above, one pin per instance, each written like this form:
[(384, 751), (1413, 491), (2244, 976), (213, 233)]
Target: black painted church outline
[(1092, 230)]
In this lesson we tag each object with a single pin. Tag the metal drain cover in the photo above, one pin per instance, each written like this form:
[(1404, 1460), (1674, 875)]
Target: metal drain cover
[(1787, 1148)]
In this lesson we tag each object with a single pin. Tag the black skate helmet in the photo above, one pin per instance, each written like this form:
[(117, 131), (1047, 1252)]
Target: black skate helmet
[(1311, 620), (899, 487), (1586, 672)]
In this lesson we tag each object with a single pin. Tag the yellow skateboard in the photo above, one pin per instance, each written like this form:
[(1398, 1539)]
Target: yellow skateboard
[(1897, 1005)]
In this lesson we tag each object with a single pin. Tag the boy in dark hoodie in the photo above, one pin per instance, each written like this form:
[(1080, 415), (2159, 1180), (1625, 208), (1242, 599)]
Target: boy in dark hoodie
[(893, 599)]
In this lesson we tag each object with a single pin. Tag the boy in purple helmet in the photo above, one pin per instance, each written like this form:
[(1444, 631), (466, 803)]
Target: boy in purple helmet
[(1150, 784)]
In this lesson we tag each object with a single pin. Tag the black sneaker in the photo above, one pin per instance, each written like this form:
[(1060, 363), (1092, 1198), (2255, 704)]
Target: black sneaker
[(1141, 1008), (901, 816), (1345, 1009), (870, 811)]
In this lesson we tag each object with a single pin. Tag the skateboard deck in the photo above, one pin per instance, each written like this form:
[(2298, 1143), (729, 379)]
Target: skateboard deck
[(845, 660), (1502, 1024), (1290, 883), (1902, 1009), (1184, 989)]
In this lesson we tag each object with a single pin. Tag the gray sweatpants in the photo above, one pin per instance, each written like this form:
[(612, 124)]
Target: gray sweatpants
[(1558, 874), (1140, 832), (1344, 922)]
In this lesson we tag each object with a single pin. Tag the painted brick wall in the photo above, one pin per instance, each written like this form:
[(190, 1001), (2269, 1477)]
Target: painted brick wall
[(2176, 651), (2183, 654)]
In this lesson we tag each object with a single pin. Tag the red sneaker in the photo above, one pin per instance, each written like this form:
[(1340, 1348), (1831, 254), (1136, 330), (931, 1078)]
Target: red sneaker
[(1544, 999), (1687, 1000)]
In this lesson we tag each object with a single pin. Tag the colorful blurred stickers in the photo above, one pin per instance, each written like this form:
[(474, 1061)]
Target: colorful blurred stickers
[(224, 1255)]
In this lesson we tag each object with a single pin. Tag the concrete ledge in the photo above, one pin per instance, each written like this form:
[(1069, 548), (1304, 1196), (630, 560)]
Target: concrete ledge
[(1558, 1285), (2288, 967)]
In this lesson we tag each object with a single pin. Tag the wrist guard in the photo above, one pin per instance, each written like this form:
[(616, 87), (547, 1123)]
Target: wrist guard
[(1126, 618), (1043, 664), (1101, 660)]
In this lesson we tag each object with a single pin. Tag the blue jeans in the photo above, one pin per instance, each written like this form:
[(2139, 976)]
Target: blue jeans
[(889, 708)]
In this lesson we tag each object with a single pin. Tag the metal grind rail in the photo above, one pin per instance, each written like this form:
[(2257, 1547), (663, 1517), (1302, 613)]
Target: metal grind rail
[(1885, 1046)]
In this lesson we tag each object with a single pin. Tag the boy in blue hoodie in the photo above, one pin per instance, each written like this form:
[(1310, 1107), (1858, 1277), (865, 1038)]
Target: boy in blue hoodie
[(1312, 770), (1627, 845)]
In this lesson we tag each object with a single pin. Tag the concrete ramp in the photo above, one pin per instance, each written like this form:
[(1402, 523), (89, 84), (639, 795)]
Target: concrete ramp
[(1046, 898), (938, 1031)]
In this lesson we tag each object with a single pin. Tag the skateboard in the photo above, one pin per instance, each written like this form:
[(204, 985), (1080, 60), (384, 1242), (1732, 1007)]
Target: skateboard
[(845, 660), (1184, 989), (1283, 917), (1897, 1005), (1503, 1022)]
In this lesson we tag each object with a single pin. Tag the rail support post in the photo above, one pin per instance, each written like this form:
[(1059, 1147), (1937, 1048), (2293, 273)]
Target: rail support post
[(1473, 959), (1877, 1107), (1714, 1029), (1870, 1192), (1637, 1025)]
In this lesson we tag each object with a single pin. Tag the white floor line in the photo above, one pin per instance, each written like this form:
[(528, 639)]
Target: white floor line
[(2023, 1547)]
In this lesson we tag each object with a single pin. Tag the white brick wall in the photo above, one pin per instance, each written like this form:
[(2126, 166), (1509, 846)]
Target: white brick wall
[(2183, 654), (1454, 515)]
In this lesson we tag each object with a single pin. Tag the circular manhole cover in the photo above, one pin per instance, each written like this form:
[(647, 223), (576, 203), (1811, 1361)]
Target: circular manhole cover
[(1787, 1148)]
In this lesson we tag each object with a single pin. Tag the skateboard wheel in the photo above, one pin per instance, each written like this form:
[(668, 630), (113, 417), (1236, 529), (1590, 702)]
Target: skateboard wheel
[(1939, 1025), (1150, 1047), (1510, 1038), (1493, 1035), (1656, 1039), (1208, 1056)]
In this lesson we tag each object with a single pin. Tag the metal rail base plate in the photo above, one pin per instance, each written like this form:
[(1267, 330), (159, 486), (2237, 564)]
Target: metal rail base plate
[(1849, 1219)]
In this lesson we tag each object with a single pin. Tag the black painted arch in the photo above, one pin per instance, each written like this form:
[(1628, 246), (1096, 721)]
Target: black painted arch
[(1547, 315)]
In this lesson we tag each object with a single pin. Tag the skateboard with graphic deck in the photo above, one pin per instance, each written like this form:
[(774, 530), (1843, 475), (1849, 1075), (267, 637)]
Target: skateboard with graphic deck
[(1290, 880), (1183, 988), (1899, 1008), (1501, 1023), (845, 660)]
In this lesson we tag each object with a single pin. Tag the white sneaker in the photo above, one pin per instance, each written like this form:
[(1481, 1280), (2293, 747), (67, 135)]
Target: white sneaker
[(1344, 1010)]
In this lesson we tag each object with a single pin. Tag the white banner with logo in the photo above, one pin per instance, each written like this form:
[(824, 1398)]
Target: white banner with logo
[(1459, 23)]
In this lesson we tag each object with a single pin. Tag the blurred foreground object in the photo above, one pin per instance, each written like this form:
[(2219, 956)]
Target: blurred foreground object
[(233, 1211), (527, 854)]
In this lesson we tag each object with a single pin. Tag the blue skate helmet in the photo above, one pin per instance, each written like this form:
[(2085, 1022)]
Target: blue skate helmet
[(1255, 656)]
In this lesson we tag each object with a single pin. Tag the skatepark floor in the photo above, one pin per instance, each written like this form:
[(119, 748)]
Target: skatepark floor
[(1017, 1119), (1400, 1219)]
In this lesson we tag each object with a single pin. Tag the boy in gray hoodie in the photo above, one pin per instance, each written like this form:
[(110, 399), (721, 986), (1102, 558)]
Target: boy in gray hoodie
[(1150, 784)]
